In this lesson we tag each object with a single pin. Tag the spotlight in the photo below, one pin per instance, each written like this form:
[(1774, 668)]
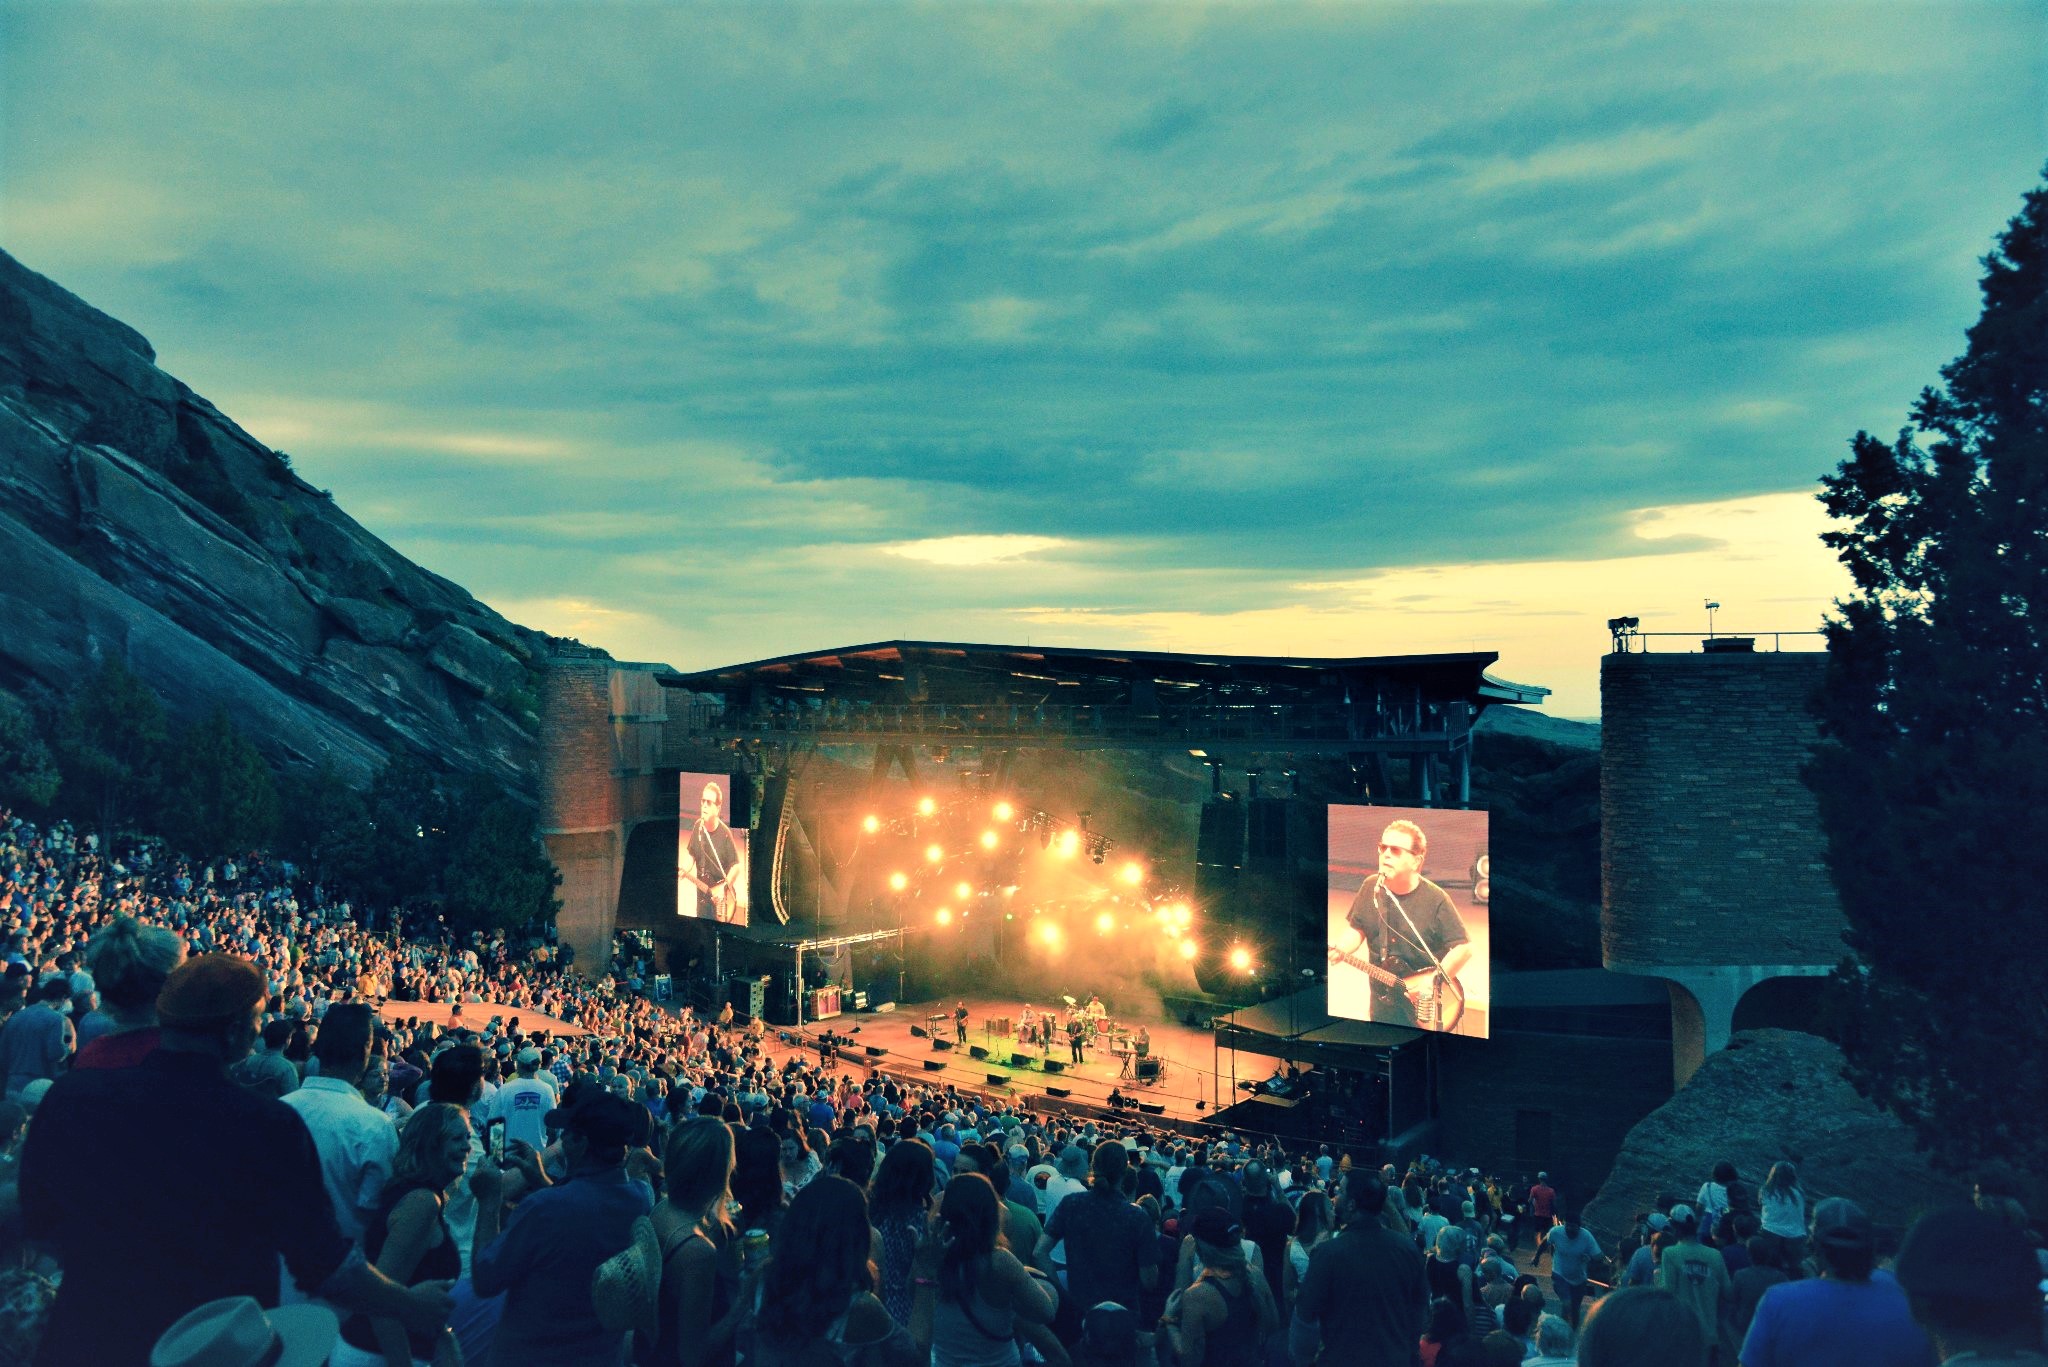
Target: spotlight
[(1069, 844), (1182, 915), (898, 881), (1188, 949), (962, 891), (1049, 934), (926, 806), (933, 854), (871, 824), (988, 840), (1104, 923), (1240, 958), (1004, 811), (1132, 872), (944, 916)]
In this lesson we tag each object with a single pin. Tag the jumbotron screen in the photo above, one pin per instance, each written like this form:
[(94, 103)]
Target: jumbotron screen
[(711, 858), (1409, 933)]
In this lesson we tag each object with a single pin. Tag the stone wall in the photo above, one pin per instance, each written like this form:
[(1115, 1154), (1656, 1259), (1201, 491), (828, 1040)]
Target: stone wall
[(1711, 849)]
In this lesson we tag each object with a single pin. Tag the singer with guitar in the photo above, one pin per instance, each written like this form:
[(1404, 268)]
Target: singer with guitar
[(713, 863), (1410, 942)]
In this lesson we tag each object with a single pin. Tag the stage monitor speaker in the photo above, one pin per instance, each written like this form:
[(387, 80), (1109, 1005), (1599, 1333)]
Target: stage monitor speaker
[(1060, 1092), (919, 1032), (1152, 1107), (940, 1046), (996, 1079), (1020, 1060), (1148, 1070), (1053, 1065), (935, 1065), (978, 1051), (1266, 831), (876, 1051)]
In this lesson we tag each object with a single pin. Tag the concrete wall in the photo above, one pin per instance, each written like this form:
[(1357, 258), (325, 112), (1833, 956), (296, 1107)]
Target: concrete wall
[(1712, 862)]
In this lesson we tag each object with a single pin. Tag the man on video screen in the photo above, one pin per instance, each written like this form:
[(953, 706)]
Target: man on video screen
[(713, 863), (1406, 928)]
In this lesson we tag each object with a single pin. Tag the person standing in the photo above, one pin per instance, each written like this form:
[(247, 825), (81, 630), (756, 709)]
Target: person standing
[(1851, 1315), (522, 1102), (1364, 1301), (38, 1039), (1784, 1214), (1972, 1280), (1108, 1239), (960, 1023), (544, 1258), (127, 1172), (1406, 925), (356, 1141), (1572, 1250), (713, 863), (1696, 1274)]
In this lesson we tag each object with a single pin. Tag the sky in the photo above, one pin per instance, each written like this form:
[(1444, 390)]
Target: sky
[(712, 333)]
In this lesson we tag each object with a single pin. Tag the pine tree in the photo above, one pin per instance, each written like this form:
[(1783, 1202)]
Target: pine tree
[(500, 877), (1932, 776), (220, 793), (111, 744)]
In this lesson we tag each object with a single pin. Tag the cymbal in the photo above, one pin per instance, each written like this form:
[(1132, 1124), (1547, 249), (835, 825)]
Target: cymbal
[(1069, 1001)]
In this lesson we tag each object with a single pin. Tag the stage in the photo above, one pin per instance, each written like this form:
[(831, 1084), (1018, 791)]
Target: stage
[(1189, 1087), (476, 1015)]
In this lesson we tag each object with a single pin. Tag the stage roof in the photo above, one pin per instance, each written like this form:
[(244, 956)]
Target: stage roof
[(944, 671)]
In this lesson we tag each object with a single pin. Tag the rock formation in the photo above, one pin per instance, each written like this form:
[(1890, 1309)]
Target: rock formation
[(1771, 1095), (136, 521)]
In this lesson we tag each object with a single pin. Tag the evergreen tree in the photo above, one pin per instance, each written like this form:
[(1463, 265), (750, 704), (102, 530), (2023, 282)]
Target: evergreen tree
[(110, 746), (500, 877), (28, 771), (409, 834), (1932, 777), (325, 829), (220, 794)]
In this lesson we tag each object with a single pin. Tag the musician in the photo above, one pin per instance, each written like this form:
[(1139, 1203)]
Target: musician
[(1405, 924), (1141, 1043), (1076, 1038), (960, 1022), (712, 862)]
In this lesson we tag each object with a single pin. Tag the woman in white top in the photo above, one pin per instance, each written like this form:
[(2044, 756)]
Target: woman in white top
[(1784, 1212)]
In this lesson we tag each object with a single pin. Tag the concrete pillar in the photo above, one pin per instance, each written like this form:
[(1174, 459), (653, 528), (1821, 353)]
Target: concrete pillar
[(1703, 999)]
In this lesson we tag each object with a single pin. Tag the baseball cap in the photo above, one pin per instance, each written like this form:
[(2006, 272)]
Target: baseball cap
[(1213, 1226), (1841, 1223), (1681, 1215), (527, 1057), (1966, 1254), (209, 990), (598, 1116), (1659, 1220)]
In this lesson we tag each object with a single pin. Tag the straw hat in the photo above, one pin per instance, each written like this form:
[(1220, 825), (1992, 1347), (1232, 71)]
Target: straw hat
[(237, 1332), (625, 1289)]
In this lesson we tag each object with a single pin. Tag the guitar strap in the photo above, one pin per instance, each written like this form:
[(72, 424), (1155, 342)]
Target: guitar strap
[(711, 846), (1416, 938)]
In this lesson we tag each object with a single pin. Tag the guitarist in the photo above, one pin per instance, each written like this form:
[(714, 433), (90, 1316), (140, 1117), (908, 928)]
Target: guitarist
[(712, 861), (1392, 909)]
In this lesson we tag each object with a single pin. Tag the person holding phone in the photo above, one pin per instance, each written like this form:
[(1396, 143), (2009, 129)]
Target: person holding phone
[(408, 1240)]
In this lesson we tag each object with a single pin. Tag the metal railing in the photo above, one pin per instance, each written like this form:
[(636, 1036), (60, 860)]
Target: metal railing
[(1632, 642)]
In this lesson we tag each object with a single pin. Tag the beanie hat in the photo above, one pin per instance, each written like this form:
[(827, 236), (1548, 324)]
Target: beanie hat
[(209, 990)]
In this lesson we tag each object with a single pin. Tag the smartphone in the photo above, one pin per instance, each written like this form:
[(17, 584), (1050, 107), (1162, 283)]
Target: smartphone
[(494, 1141)]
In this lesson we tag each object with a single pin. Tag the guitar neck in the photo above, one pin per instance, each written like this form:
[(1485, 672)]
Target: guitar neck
[(1380, 975)]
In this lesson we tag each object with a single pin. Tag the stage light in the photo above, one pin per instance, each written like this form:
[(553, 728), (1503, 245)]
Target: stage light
[(1188, 949), (988, 840), (1132, 872), (871, 824), (944, 916), (926, 806), (963, 891), (1004, 811), (933, 854), (1182, 915), (1240, 958), (1104, 923), (1049, 934), (898, 881), (1069, 844)]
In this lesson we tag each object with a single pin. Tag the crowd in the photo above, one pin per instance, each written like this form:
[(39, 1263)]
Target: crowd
[(218, 1150)]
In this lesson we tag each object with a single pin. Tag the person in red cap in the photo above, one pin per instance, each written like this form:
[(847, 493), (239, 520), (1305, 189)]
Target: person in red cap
[(165, 1186)]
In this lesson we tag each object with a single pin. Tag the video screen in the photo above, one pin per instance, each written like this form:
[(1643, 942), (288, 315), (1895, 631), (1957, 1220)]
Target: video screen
[(711, 861), (1409, 933)]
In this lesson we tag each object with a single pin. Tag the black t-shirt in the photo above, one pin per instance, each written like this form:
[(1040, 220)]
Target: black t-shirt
[(1390, 936), (1366, 1290), (1108, 1239)]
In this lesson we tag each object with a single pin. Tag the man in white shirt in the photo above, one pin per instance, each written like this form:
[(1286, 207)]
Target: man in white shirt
[(524, 1102), (357, 1142)]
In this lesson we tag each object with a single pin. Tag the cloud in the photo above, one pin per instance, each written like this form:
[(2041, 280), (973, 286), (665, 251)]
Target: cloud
[(975, 550)]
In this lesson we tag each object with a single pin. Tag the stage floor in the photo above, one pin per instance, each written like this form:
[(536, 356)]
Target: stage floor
[(476, 1015), (1189, 1086)]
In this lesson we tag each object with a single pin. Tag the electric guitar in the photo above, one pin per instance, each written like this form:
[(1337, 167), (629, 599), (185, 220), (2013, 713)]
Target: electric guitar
[(725, 896), (1439, 1007)]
